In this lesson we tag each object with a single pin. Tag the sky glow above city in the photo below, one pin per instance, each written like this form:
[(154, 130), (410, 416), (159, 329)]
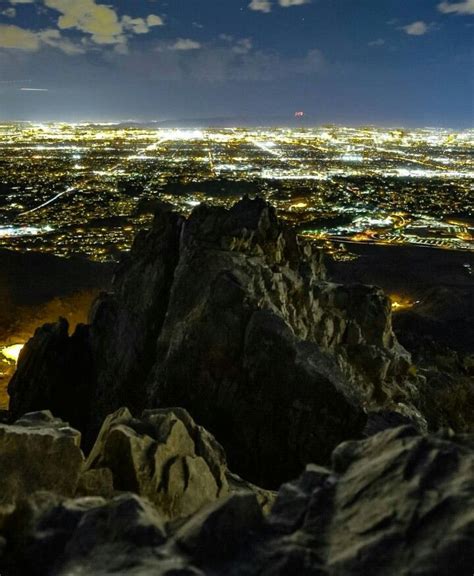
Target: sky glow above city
[(389, 62)]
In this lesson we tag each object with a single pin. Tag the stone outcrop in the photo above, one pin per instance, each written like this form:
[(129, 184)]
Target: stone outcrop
[(39, 452), (56, 374), (229, 315), (397, 503), (383, 508), (165, 457)]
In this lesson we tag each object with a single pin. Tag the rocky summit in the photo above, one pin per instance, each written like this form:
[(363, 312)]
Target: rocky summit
[(231, 411), (229, 315)]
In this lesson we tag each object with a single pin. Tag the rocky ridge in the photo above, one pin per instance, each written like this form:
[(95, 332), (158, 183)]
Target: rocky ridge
[(396, 503), (231, 316)]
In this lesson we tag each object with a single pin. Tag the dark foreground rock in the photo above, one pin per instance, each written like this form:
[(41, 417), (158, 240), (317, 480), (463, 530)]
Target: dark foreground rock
[(395, 504), (229, 315)]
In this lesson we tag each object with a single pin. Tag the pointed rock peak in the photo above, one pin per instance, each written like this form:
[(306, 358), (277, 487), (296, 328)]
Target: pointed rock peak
[(249, 218)]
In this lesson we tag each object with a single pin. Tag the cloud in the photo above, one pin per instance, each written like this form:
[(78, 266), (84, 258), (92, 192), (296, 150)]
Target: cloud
[(141, 25), (242, 46), (135, 25), (100, 21), (18, 38), (378, 42), (54, 39), (260, 6), (220, 64), (154, 20), (14, 37), (100, 24), (465, 7), (418, 28), (288, 3), (184, 44), (266, 5)]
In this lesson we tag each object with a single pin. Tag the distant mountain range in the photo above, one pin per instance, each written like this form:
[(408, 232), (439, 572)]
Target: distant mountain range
[(223, 122)]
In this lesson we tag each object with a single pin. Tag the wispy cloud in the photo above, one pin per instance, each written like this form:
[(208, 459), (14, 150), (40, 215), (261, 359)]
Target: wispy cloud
[(220, 64), (266, 5), (465, 7), (185, 44), (261, 6), (288, 3), (418, 28)]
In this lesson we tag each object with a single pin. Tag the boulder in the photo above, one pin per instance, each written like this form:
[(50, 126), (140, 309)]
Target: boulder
[(90, 536), (220, 530), (39, 529), (396, 503), (163, 456), (38, 452)]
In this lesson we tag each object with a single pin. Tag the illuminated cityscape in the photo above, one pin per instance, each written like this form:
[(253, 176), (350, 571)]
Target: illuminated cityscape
[(86, 189)]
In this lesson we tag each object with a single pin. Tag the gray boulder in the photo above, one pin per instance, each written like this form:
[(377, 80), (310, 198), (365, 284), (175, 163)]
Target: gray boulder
[(38, 452), (163, 456)]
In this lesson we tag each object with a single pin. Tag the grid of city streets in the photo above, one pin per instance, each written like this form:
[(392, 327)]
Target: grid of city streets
[(86, 189)]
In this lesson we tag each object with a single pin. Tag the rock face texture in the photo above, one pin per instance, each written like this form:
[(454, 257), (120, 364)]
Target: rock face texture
[(396, 504), (163, 456), (56, 374), (39, 452), (229, 315)]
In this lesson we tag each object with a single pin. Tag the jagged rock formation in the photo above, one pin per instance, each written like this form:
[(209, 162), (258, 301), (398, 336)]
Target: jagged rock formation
[(230, 315), (396, 504), (167, 458), (164, 456), (55, 374)]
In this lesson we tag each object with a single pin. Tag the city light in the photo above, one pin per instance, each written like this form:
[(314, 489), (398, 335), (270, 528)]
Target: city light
[(400, 303), (12, 352), (87, 189)]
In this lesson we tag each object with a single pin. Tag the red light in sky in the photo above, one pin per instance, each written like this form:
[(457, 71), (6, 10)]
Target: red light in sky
[(299, 114)]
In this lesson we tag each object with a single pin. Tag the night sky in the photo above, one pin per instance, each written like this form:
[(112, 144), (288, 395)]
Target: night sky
[(386, 62)]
